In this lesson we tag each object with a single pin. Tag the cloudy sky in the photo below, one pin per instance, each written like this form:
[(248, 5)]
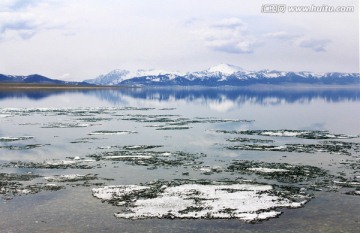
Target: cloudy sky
[(76, 40)]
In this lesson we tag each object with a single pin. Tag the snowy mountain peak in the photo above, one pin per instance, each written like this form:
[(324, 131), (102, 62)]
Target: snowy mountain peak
[(112, 78), (155, 72), (225, 69), (221, 75), (118, 72)]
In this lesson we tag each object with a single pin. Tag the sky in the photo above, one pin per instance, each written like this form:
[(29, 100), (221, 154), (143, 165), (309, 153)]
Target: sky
[(78, 40)]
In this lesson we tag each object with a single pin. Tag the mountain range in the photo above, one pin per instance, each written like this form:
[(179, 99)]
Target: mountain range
[(35, 78), (221, 75)]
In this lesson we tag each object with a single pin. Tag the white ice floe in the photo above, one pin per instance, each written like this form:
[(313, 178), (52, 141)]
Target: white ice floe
[(128, 157), (283, 133), (66, 125), (105, 147), (61, 162), (9, 139), (76, 160), (5, 115), (135, 147), (51, 185), (112, 132), (88, 160), (279, 148), (62, 178), (23, 191), (205, 169), (267, 170), (109, 192), (247, 202), (346, 183), (305, 133), (165, 154)]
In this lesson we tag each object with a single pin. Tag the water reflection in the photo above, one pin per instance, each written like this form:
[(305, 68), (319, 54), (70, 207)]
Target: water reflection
[(227, 96)]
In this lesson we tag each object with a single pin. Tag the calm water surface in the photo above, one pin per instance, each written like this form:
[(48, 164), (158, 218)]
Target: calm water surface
[(62, 123)]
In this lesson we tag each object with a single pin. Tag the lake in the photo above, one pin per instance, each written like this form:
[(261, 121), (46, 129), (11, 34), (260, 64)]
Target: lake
[(180, 160)]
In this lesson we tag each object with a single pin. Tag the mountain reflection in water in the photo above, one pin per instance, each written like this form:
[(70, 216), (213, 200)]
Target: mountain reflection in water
[(236, 96)]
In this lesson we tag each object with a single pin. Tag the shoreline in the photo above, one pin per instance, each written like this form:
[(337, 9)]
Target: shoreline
[(259, 87), (30, 86)]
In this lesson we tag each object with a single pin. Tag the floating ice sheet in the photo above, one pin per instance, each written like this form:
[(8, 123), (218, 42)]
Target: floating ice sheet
[(130, 147), (24, 147), (151, 158), (11, 139), (333, 147), (65, 125), (282, 172), (108, 132), (12, 184), (215, 200), (307, 134), (70, 178), (76, 163), (267, 170)]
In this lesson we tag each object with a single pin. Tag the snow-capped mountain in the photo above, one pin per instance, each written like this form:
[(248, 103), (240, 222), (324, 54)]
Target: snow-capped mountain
[(225, 69), (222, 75), (116, 77)]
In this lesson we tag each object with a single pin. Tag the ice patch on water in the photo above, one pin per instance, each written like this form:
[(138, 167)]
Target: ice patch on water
[(109, 192), (266, 170), (247, 202), (11, 139), (65, 125), (128, 157), (70, 178), (307, 134), (61, 162), (107, 132)]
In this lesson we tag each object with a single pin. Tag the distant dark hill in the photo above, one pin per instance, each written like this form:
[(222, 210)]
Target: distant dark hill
[(36, 79)]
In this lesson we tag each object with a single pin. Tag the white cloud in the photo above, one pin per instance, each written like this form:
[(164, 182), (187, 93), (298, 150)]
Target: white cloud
[(317, 45), (314, 44), (231, 23), (282, 35), (229, 35), (24, 19)]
